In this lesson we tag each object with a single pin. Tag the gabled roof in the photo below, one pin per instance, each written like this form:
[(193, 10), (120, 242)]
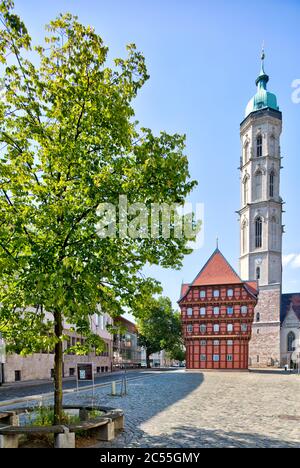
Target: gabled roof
[(217, 270), (184, 289), (288, 301)]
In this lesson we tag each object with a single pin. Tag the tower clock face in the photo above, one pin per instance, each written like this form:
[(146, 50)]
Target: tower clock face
[(258, 261)]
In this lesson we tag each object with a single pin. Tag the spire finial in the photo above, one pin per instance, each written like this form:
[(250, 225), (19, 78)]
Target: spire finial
[(262, 58), (263, 55), (217, 242)]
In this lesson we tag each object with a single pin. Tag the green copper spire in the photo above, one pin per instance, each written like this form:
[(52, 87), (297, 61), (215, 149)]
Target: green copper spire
[(263, 98)]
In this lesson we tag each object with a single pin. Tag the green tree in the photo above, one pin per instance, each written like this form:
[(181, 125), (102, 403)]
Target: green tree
[(159, 328), (69, 142)]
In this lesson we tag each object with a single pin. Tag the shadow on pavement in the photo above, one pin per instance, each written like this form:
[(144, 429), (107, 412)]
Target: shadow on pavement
[(187, 437)]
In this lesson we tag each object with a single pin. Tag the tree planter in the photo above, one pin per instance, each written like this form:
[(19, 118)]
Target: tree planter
[(106, 426)]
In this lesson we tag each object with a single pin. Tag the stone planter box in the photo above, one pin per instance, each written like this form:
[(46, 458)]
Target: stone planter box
[(106, 426)]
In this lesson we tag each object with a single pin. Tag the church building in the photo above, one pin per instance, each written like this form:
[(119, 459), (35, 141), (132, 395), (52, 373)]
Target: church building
[(231, 321), (261, 218)]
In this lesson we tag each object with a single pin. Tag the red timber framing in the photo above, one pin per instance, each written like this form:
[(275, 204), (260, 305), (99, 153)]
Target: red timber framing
[(217, 311)]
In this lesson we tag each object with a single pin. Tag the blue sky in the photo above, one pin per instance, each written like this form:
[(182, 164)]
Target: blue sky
[(203, 58)]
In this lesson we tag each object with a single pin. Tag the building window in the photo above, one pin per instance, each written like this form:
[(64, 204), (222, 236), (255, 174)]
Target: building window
[(258, 317), (216, 342), (216, 293), (203, 342), (216, 328), (244, 310), (189, 311), (258, 273), (202, 311), (229, 357), (258, 233), (216, 310), (229, 342), (258, 185), (271, 184), (229, 327), (230, 310), (202, 328), (257, 331), (244, 327), (216, 357), (203, 357), (230, 292), (189, 328), (290, 341), (257, 358), (202, 294), (259, 143)]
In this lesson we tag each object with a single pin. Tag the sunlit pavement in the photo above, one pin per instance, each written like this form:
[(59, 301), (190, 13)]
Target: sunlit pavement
[(182, 409)]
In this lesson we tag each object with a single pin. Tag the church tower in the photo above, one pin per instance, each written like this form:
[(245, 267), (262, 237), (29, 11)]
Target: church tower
[(261, 218)]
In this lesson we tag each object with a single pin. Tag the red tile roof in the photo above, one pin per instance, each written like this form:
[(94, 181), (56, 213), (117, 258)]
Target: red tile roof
[(217, 270), (252, 286), (184, 289)]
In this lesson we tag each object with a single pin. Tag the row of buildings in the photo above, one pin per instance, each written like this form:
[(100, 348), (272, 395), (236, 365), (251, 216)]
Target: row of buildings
[(120, 350), (230, 320)]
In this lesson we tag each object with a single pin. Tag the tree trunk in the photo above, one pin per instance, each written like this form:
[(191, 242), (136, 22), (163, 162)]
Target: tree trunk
[(148, 353), (58, 369)]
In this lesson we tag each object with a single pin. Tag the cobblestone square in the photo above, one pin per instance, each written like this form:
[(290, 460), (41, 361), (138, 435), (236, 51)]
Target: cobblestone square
[(181, 409)]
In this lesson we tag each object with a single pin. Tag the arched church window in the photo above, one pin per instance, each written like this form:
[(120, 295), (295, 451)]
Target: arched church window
[(271, 184), (290, 341), (258, 233), (258, 273), (258, 317), (259, 146), (258, 185)]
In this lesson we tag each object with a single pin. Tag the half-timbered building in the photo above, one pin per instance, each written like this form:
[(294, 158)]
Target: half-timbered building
[(217, 311)]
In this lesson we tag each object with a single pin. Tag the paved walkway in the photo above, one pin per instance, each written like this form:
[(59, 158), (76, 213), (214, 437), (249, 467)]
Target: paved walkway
[(212, 410), (180, 409)]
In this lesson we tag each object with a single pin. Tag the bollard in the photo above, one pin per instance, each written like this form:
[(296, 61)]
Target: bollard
[(113, 388)]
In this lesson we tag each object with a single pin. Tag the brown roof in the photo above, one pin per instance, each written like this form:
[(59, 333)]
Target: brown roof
[(217, 270)]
